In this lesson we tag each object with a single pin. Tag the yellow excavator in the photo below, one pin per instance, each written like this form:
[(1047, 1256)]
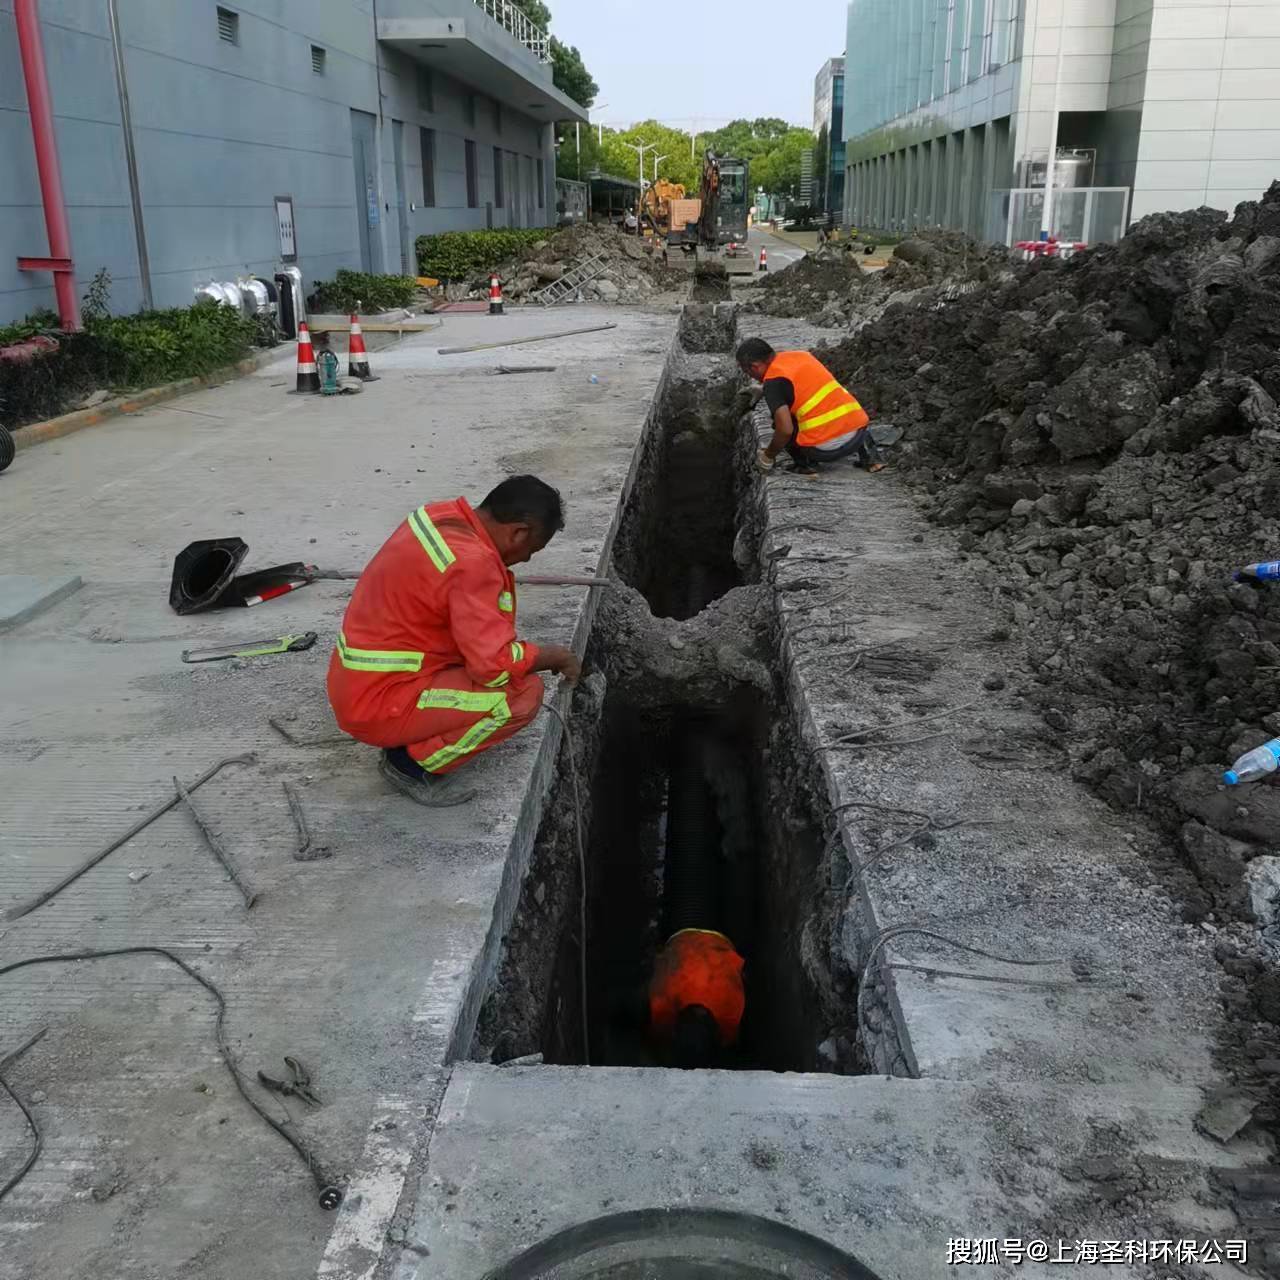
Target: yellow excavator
[(655, 206)]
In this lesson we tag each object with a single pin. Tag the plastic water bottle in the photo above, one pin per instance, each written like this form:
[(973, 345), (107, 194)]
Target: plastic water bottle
[(1254, 764), (1266, 571)]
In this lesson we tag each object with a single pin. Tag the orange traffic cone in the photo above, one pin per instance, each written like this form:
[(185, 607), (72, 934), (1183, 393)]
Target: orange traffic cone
[(357, 356), (308, 377), (764, 259), (495, 296)]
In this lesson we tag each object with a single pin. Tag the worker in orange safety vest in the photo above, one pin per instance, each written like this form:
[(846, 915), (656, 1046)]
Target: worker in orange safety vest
[(696, 996), (428, 664), (814, 418)]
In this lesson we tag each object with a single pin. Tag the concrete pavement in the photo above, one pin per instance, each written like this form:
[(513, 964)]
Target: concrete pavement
[(360, 963)]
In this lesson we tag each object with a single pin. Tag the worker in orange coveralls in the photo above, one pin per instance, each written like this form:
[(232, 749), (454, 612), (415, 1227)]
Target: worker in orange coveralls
[(428, 664), (696, 996)]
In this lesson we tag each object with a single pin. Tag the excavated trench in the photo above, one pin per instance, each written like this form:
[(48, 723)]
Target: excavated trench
[(695, 799)]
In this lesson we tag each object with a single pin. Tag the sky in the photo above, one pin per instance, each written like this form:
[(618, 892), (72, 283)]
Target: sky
[(704, 60)]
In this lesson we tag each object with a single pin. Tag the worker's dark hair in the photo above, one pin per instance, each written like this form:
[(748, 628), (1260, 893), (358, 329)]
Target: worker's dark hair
[(697, 1038), (526, 500), (754, 350)]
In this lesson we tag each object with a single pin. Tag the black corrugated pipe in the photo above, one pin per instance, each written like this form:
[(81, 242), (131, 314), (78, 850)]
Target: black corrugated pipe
[(691, 897)]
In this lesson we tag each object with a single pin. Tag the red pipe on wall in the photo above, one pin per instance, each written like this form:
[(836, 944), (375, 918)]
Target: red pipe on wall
[(40, 104)]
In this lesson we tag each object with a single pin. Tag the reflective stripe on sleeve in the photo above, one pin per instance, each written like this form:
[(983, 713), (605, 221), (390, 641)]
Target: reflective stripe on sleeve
[(506, 602), (432, 541)]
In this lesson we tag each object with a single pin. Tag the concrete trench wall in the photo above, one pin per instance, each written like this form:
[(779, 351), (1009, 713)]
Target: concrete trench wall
[(531, 1002)]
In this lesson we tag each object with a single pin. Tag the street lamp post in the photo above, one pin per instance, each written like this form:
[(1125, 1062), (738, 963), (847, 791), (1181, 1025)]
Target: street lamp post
[(657, 160), (640, 148), (600, 123)]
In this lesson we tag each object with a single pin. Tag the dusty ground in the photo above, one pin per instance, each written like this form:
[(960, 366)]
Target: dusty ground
[(358, 963)]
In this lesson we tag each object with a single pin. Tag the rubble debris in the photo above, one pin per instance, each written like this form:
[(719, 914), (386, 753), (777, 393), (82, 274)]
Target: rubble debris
[(634, 270), (830, 287)]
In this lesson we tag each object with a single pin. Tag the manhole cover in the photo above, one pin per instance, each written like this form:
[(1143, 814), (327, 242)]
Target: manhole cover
[(682, 1244)]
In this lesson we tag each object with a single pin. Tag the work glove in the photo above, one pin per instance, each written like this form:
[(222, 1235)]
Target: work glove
[(763, 461)]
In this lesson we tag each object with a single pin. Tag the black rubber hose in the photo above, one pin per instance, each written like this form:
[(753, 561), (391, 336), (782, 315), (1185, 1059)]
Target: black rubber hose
[(690, 892)]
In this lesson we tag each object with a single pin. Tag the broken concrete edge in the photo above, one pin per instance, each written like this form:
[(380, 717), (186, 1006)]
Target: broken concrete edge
[(37, 603), (484, 967), (66, 424)]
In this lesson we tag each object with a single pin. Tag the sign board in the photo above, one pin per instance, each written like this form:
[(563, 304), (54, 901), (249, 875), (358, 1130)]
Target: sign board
[(284, 220)]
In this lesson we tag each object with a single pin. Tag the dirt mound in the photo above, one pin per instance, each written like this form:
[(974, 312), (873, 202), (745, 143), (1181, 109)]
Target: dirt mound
[(830, 287), (634, 272), (822, 285), (1105, 432), (943, 257)]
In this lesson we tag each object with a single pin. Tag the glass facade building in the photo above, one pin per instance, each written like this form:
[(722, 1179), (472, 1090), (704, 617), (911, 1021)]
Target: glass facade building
[(828, 114), (953, 104)]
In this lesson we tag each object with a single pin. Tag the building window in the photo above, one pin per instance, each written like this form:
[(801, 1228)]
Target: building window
[(426, 90), (473, 186), (427, 143), (228, 25), (317, 59), (542, 185), (497, 177), (469, 106), (497, 116)]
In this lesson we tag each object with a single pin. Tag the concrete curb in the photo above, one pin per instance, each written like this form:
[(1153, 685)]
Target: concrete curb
[(81, 419)]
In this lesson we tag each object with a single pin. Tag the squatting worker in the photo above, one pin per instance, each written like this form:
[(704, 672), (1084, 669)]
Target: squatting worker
[(814, 418), (696, 996), (428, 665)]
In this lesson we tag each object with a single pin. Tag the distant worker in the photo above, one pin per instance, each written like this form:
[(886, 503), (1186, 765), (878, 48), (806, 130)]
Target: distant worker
[(696, 996), (428, 665), (814, 418)]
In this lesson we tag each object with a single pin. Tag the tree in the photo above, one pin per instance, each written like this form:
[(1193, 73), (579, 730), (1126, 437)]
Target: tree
[(568, 72), (570, 75)]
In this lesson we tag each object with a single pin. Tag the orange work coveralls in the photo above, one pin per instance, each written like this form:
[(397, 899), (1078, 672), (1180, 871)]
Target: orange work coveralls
[(697, 966), (428, 658)]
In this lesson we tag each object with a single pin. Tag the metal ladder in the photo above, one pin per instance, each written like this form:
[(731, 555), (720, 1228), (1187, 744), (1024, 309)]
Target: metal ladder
[(560, 290)]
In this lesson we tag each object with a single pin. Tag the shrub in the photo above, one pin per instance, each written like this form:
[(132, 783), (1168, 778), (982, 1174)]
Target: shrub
[(459, 255), (122, 352), (371, 293)]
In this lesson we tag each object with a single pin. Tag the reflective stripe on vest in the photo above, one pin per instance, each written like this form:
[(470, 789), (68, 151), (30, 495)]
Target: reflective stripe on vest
[(492, 707), (433, 543), (381, 660), (506, 602)]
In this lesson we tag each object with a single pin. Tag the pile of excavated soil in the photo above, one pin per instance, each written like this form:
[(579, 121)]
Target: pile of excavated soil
[(1105, 434), (830, 287), (633, 273)]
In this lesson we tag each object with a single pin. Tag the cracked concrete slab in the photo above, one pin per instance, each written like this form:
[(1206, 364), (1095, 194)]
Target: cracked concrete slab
[(522, 1152)]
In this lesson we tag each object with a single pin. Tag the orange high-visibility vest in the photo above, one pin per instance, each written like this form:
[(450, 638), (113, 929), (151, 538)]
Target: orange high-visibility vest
[(823, 410), (697, 966)]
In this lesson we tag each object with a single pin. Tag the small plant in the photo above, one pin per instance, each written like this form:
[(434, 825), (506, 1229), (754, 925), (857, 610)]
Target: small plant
[(96, 303), (351, 289)]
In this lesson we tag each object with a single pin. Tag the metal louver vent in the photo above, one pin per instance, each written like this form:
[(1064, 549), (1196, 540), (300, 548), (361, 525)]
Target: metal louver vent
[(228, 25)]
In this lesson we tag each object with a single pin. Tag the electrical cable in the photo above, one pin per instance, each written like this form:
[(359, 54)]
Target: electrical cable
[(331, 1192), (582, 878), (36, 1147)]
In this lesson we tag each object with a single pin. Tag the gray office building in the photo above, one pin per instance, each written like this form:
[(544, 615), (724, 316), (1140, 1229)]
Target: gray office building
[(1158, 105), (432, 115)]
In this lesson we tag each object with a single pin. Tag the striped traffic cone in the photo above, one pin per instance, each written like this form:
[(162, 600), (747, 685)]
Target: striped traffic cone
[(495, 296), (308, 376), (764, 259), (357, 356)]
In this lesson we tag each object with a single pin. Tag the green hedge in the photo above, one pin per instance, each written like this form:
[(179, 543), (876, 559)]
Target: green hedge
[(459, 255), (349, 289), (141, 350)]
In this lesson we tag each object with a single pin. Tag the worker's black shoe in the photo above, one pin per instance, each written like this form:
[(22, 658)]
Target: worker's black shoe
[(808, 469), (437, 791)]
